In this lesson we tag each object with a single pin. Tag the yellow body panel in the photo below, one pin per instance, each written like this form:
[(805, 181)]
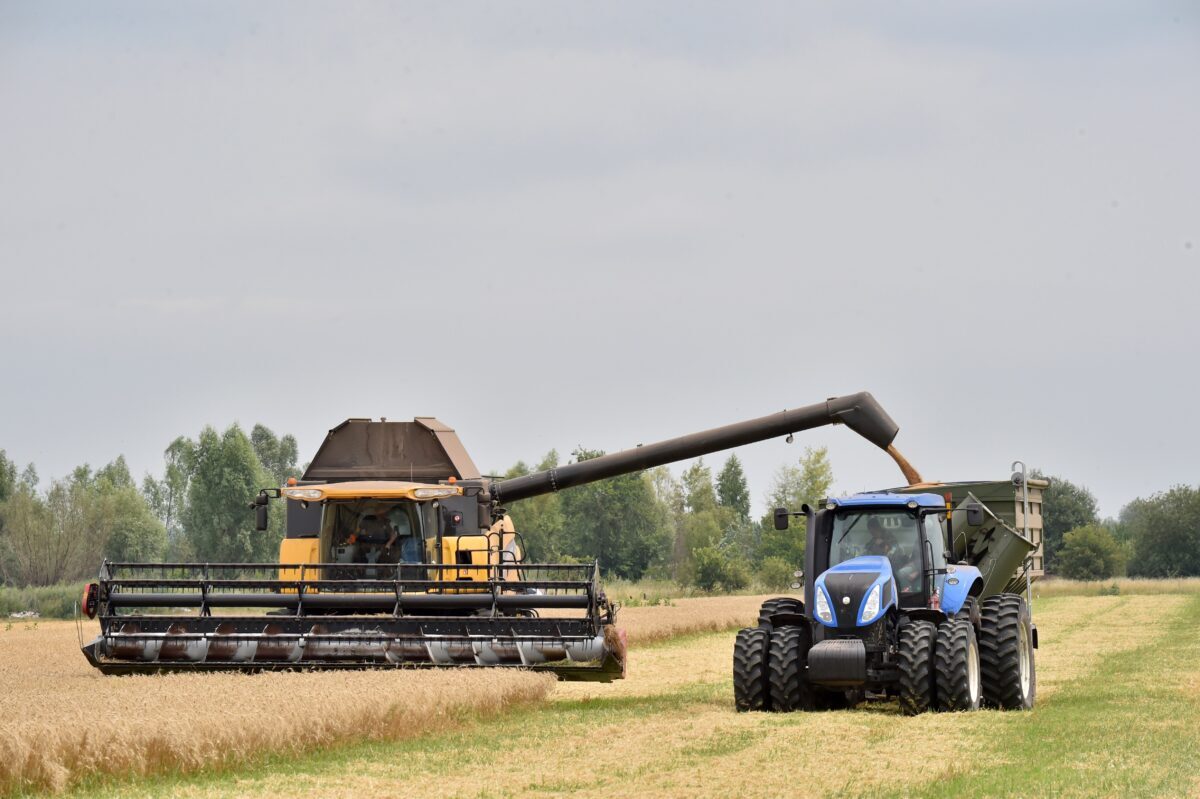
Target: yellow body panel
[(298, 550)]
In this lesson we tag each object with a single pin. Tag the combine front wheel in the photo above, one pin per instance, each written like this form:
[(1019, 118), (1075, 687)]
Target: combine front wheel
[(957, 666), (751, 651)]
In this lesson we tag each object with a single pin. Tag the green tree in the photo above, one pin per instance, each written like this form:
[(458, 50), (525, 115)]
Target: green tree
[(672, 506), (1065, 506), (168, 495), (793, 486), (277, 455), (616, 521), (698, 492), (714, 568), (1090, 553), (539, 519), (225, 475), (8, 477), (733, 491), (133, 533), (24, 540), (705, 523), (1164, 530)]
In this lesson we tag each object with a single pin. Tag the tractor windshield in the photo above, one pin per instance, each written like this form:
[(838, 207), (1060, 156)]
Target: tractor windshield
[(893, 534)]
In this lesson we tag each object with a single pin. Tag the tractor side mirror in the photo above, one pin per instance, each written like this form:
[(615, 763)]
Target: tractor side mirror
[(975, 515), (781, 518)]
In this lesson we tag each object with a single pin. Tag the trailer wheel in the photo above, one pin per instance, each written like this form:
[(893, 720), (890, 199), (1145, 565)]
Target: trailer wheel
[(957, 666), (789, 652), (1006, 653), (779, 604), (751, 651), (916, 667)]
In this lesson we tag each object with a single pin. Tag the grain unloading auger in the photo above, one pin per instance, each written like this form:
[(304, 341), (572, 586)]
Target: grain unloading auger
[(398, 552)]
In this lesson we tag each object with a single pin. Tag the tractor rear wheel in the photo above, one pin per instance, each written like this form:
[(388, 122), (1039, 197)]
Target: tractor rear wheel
[(957, 666), (751, 653), (779, 604), (916, 667), (789, 652), (1006, 653), (970, 612)]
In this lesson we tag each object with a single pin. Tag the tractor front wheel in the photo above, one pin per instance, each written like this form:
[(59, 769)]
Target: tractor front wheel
[(916, 667), (957, 666), (751, 653), (779, 604), (789, 652)]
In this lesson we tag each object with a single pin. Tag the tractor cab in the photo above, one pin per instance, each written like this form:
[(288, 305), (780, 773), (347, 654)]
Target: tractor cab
[(908, 533), (877, 551)]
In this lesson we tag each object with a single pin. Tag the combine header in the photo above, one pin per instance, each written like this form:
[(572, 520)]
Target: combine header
[(398, 552)]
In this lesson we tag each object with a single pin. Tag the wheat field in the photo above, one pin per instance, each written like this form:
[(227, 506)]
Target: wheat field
[(61, 721)]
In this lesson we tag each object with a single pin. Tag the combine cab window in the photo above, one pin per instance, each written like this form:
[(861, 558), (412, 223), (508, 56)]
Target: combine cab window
[(375, 533)]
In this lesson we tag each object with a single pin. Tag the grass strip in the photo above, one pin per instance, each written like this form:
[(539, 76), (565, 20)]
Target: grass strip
[(1131, 728)]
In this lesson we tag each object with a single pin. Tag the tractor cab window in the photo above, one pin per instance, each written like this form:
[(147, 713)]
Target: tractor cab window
[(893, 534)]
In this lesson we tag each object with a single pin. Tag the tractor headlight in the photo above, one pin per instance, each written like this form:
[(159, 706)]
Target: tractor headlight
[(823, 611), (871, 609)]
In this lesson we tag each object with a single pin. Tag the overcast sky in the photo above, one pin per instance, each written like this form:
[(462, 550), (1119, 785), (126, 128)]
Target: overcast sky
[(553, 225)]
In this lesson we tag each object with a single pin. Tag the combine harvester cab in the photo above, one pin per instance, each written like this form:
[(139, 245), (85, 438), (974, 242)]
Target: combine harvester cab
[(916, 597)]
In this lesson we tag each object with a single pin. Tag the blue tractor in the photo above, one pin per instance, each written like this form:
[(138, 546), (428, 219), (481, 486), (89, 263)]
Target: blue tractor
[(914, 598)]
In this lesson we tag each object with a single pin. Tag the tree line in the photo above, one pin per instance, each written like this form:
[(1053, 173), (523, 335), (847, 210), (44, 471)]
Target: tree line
[(697, 528), (195, 510), (1155, 536)]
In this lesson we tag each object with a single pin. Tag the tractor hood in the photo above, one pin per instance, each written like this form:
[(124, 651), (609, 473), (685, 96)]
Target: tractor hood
[(855, 593)]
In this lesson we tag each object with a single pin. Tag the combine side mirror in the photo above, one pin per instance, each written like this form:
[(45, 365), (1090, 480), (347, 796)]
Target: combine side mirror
[(781, 518), (260, 510), (975, 515)]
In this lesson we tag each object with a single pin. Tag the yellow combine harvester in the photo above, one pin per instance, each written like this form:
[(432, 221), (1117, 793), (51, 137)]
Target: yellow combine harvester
[(399, 552)]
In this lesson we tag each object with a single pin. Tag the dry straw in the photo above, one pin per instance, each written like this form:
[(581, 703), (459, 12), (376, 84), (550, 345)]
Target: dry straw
[(647, 625), (61, 721)]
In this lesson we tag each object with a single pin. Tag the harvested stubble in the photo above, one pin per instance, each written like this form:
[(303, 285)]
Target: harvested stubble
[(61, 721), (647, 625)]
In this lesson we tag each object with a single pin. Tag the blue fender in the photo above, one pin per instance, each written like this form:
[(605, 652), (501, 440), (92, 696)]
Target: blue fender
[(962, 582)]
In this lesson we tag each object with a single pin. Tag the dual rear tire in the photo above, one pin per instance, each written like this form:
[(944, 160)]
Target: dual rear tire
[(1006, 653), (939, 667)]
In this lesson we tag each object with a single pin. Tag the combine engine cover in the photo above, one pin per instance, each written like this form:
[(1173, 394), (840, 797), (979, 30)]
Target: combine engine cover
[(191, 617)]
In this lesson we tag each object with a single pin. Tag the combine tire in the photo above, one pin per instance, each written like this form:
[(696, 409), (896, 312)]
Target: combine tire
[(1006, 653), (957, 666), (788, 689), (751, 651), (779, 604), (916, 667)]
